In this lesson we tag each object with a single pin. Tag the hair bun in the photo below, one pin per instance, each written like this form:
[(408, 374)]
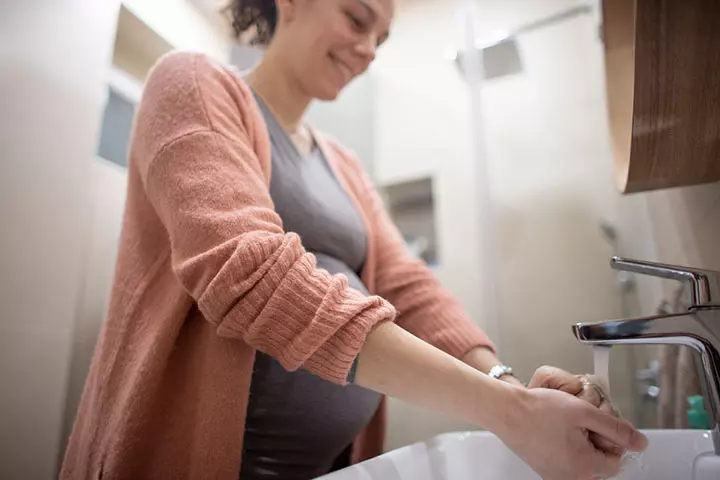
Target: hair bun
[(253, 21)]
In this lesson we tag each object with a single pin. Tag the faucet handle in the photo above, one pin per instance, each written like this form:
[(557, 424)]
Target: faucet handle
[(704, 284)]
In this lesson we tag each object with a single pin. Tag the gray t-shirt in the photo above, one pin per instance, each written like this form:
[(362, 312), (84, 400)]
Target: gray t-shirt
[(297, 423)]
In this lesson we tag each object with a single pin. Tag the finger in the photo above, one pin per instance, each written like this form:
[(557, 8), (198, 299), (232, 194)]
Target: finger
[(604, 445), (591, 395), (601, 383), (594, 395), (614, 429), (608, 407), (556, 379)]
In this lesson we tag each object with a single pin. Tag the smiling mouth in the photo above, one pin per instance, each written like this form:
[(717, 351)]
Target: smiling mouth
[(346, 71)]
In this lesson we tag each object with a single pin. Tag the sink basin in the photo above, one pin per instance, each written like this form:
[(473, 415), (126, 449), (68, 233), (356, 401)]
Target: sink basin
[(481, 455)]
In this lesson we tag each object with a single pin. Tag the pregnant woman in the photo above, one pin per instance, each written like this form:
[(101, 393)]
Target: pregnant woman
[(264, 303)]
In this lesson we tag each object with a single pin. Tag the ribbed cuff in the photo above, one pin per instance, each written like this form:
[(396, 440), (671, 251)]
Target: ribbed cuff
[(334, 359), (299, 315)]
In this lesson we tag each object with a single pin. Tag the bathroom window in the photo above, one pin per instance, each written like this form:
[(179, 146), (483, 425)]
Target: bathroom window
[(123, 96), (137, 48)]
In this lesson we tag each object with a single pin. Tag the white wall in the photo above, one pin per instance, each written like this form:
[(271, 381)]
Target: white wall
[(549, 160), (551, 169), (182, 25), (55, 57)]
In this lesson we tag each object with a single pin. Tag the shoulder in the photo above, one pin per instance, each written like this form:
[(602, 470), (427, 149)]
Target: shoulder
[(198, 79), (188, 92)]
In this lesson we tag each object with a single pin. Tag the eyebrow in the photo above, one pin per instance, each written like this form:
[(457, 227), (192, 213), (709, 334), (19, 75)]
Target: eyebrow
[(371, 11)]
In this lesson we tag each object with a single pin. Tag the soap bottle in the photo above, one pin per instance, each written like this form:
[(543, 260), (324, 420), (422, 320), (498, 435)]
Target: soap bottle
[(697, 416)]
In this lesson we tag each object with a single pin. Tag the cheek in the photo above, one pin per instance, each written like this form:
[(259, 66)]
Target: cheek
[(336, 36), (315, 71), (317, 61)]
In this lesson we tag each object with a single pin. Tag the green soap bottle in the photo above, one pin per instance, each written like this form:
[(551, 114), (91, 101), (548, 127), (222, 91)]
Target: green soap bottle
[(697, 416)]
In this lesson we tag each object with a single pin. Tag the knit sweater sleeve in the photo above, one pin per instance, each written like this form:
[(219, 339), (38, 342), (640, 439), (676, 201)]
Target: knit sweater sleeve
[(196, 149), (425, 308)]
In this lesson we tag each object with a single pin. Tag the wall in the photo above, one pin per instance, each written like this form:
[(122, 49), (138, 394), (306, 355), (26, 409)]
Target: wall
[(548, 153), (182, 25), (551, 170), (55, 57), (685, 223)]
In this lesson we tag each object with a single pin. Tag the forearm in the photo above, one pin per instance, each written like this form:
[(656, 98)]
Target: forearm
[(398, 364)]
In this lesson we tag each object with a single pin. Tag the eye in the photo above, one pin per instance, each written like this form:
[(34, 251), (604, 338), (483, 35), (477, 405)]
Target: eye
[(356, 22)]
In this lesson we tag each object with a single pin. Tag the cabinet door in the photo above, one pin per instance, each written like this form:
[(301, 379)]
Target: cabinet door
[(662, 61)]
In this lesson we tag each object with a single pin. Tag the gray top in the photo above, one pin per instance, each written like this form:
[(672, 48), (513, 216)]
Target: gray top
[(297, 423)]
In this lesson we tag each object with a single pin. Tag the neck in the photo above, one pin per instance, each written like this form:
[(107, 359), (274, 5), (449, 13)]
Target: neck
[(282, 95)]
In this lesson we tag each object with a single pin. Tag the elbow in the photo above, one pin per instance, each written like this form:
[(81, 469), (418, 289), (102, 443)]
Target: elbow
[(247, 270)]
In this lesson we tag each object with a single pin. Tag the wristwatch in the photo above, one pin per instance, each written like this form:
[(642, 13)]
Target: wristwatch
[(500, 371)]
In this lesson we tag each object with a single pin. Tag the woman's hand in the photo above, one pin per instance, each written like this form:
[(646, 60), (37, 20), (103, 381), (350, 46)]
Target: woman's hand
[(549, 431), (585, 387)]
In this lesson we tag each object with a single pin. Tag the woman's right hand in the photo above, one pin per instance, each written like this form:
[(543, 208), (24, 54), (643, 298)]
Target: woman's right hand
[(549, 429)]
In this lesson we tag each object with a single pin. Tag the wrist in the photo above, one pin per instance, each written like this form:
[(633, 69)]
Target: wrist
[(512, 380), (507, 402), (481, 358)]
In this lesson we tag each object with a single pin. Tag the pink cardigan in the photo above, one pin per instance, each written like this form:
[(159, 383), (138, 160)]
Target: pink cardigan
[(206, 276)]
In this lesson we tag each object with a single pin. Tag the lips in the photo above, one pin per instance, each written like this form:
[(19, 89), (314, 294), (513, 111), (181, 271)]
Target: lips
[(346, 72)]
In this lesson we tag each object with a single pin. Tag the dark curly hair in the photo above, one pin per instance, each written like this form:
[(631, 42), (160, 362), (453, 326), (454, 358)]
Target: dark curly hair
[(255, 19)]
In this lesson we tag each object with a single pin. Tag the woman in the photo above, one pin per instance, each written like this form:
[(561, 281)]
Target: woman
[(228, 346)]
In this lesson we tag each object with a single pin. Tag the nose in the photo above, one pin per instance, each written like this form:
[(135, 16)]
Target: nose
[(367, 48)]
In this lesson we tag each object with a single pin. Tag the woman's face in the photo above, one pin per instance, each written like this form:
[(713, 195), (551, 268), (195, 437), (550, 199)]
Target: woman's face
[(327, 43)]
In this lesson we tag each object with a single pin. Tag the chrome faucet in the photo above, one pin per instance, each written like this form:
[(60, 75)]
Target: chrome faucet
[(698, 327)]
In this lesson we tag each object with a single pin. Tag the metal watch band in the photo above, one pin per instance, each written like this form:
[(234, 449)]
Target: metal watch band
[(500, 370)]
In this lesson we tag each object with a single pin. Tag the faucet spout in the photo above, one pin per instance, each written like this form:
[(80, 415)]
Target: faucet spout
[(685, 328), (698, 328)]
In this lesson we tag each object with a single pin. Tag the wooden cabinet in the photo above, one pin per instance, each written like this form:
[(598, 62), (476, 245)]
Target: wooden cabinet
[(662, 62)]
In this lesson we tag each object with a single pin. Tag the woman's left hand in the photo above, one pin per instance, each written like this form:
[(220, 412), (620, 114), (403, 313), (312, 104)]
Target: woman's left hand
[(585, 387)]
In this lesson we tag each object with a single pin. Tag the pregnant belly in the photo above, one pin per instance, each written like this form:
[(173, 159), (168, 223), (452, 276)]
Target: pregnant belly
[(297, 423)]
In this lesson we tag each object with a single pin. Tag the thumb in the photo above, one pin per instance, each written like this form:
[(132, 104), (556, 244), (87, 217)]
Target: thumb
[(618, 431), (556, 379)]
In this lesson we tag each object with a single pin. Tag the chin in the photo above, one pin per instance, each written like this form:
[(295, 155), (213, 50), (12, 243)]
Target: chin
[(328, 97), (327, 91), (327, 94)]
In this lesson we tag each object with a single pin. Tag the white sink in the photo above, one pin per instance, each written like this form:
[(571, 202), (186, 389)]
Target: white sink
[(482, 456)]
